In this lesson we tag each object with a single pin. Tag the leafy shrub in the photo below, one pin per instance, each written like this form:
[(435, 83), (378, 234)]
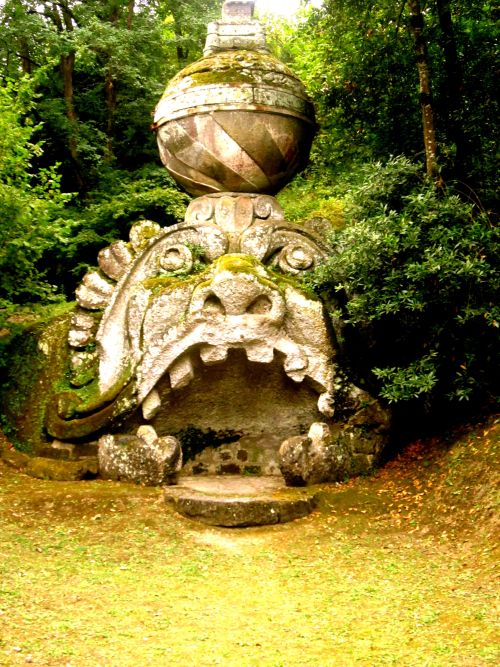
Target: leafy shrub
[(122, 198), (415, 282), (31, 206)]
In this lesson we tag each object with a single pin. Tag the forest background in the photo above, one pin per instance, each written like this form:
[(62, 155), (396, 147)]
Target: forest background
[(404, 166)]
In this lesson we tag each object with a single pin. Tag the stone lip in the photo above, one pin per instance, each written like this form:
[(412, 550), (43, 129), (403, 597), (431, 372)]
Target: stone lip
[(236, 501)]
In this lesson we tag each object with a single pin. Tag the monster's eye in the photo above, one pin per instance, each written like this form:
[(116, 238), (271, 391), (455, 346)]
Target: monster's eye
[(295, 258), (176, 259)]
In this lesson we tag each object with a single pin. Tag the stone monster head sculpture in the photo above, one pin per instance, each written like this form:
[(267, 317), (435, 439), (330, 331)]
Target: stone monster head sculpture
[(205, 327), (224, 279), (215, 294)]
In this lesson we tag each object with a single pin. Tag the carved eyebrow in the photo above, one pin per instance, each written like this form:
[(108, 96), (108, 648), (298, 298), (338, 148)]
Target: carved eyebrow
[(285, 237)]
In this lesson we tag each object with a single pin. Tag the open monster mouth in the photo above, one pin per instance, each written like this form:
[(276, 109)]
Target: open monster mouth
[(237, 310), (232, 416), (247, 357), (247, 361)]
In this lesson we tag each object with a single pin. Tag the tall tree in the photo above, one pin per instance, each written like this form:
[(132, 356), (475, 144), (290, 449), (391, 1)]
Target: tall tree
[(424, 75), (185, 26), (61, 14)]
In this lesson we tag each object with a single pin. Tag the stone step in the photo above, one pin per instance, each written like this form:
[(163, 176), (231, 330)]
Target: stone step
[(236, 501), (66, 451)]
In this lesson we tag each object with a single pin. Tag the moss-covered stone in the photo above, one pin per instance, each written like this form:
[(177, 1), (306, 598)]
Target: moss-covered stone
[(231, 67), (62, 471), (14, 459), (37, 363)]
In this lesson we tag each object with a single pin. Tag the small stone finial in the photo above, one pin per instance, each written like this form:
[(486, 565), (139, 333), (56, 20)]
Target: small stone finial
[(236, 30), (238, 9)]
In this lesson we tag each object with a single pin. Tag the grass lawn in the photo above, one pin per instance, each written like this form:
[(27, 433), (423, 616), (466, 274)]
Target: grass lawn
[(396, 569)]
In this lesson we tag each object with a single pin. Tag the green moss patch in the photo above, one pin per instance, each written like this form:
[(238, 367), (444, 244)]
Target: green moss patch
[(231, 67), (37, 361)]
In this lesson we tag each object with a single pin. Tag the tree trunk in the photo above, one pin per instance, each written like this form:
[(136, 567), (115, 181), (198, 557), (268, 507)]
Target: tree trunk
[(182, 53), (111, 103), (429, 130), (26, 62), (67, 69), (61, 16), (130, 15)]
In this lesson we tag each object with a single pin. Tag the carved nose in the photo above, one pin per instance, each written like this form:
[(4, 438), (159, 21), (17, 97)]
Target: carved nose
[(258, 306), (237, 294)]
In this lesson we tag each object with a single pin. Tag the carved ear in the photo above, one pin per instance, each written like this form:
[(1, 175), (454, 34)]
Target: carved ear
[(320, 227)]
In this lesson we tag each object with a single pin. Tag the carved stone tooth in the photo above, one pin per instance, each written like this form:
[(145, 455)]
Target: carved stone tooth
[(213, 354), (181, 373), (319, 431), (151, 405), (261, 353), (326, 404), (147, 433), (296, 376), (296, 365), (296, 362)]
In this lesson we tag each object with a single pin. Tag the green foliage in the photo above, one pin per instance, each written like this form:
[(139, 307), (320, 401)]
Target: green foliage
[(184, 29), (415, 276), (311, 196), (30, 205), (122, 199), (358, 64)]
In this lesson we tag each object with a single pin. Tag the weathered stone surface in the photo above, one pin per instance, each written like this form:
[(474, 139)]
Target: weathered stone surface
[(239, 502), (206, 326), (328, 458), (13, 458), (236, 30), (170, 321), (38, 361), (142, 459), (68, 451), (94, 292), (238, 9), (84, 367), (83, 329), (293, 460), (365, 428), (315, 458), (115, 260), (151, 405)]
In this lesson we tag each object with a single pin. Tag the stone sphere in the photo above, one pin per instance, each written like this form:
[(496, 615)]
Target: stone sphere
[(236, 121)]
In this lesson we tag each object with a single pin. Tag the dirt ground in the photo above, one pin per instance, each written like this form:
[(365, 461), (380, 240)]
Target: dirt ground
[(394, 569)]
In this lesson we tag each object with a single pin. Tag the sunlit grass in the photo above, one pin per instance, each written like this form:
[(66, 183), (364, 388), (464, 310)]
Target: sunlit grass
[(98, 573)]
